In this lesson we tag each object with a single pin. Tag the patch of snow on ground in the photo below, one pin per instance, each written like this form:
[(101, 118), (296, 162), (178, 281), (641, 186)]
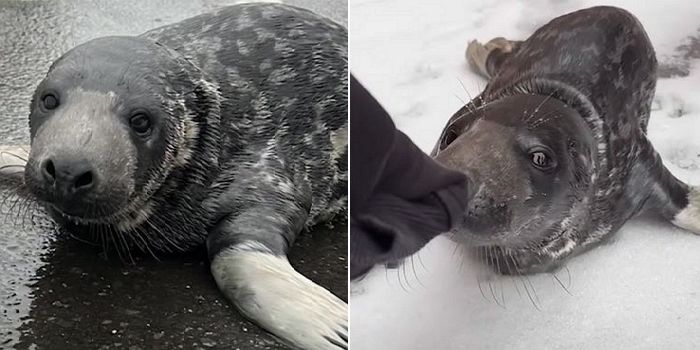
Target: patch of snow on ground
[(640, 291)]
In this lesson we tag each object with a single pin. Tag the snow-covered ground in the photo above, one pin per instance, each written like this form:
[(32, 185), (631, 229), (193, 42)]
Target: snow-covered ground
[(640, 291)]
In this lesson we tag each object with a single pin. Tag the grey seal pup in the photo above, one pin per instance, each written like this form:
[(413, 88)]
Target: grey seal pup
[(556, 143), (227, 129)]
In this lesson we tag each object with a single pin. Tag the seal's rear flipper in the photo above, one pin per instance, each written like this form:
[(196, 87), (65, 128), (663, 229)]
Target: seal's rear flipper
[(689, 217), (678, 203), (486, 59), (675, 200)]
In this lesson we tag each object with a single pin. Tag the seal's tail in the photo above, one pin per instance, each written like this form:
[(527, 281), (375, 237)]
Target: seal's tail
[(487, 59)]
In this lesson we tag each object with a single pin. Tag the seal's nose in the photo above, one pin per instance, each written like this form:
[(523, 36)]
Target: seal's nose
[(69, 177)]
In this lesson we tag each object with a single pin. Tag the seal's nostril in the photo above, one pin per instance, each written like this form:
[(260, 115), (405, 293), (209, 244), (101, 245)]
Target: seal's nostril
[(49, 170), (68, 176), (84, 181)]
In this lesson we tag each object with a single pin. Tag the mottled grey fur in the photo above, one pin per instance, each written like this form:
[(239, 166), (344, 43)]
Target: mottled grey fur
[(249, 105), (600, 67)]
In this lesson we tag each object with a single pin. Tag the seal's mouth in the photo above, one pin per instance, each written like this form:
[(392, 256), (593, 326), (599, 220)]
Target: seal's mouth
[(88, 217), (98, 214), (517, 258), (475, 232)]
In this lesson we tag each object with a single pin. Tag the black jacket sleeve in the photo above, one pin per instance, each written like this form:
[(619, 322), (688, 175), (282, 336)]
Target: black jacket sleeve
[(400, 198)]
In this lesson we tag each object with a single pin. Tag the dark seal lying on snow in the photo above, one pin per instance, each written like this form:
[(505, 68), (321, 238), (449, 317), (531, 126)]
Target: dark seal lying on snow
[(228, 128), (556, 144)]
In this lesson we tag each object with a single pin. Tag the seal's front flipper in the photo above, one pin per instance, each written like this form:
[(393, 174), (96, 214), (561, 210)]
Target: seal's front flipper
[(267, 290), (670, 197), (249, 263), (487, 59), (12, 161)]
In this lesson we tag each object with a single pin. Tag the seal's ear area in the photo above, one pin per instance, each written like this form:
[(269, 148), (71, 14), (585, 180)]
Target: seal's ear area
[(194, 101), (202, 94), (205, 99), (203, 104)]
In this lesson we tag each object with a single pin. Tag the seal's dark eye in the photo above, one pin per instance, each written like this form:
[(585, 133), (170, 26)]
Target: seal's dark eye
[(141, 124), (50, 101), (542, 160), (450, 136)]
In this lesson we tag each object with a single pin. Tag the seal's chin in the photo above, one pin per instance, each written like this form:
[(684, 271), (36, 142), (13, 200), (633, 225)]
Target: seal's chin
[(94, 215), (507, 239), (508, 253), (123, 214), (477, 240)]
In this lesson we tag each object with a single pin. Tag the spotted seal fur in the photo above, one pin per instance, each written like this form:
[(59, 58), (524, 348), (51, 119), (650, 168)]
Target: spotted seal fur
[(556, 143), (228, 128)]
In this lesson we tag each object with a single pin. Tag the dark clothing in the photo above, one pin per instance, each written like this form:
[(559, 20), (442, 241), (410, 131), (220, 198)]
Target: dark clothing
[(400, 198)]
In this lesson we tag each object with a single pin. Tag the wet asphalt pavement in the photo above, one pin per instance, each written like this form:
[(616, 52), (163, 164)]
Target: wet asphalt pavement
[(59, 293)]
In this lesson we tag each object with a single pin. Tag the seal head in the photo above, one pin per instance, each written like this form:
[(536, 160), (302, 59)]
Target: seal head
[(531, 158), (108, 125)]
